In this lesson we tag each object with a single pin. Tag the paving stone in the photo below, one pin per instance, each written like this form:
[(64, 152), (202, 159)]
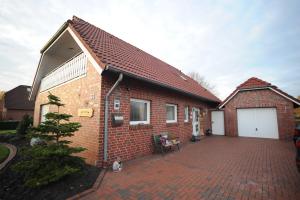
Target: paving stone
[(214, 168)]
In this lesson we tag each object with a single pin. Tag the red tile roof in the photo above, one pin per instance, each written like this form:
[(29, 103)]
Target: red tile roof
[(17, 98), (123, 56), (254, 82)]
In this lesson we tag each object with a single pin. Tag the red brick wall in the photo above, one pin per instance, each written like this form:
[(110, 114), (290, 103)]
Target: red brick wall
[(16, 114), (80, 93), (260, 98), (130, 142)]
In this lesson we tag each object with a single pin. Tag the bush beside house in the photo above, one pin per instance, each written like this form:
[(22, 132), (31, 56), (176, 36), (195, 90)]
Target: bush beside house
[(8, 125), (53, 159)]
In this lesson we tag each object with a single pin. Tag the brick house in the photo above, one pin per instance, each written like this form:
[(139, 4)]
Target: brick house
[(120, 94), (259, 109), (1, 104), (15, 103)]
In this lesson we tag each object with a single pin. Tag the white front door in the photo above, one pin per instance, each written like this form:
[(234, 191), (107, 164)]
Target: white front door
[(217, 122), (195, 122), (257, 122)]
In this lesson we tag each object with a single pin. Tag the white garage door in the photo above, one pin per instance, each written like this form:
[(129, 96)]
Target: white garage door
[(257, 122), (217, 120)]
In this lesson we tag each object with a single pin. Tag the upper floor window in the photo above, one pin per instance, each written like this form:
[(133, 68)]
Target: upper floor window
[(139, 111), (171, 111)]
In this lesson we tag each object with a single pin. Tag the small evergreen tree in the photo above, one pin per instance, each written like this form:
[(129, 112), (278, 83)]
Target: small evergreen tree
[(53, 160), (24, 125)]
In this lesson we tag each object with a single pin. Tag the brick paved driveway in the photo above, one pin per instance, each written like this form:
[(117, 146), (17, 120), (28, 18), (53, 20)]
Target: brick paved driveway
[(214, 168)]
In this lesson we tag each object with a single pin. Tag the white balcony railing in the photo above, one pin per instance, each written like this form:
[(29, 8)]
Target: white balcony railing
[(73, 68)]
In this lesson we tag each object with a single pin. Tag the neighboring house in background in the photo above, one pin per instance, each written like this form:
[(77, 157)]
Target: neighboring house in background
[(1, 104), (297, 113), (259, 109), (16, 103), (85, 66)]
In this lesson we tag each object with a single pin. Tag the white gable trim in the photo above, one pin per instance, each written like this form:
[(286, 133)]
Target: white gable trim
[(50, 45), (34, 79), (285, 96), (85, 51), (46, 48), (223, 104), (249, 89)]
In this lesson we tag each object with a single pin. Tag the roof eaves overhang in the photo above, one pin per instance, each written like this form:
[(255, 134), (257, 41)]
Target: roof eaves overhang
[(116, 70), (54, 37), (46, 46), (67, 27)]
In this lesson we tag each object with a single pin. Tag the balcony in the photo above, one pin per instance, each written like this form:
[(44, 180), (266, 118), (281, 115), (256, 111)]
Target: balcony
[(71, 69)]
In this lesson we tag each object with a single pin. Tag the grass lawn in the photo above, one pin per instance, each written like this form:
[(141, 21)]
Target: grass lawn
[(4, 152), (8, 132)]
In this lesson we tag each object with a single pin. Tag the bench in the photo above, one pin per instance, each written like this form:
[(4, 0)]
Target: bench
[(165, 141)]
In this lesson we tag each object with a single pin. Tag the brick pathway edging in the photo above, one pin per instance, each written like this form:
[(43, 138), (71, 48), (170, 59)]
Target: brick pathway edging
[(12, 154), (93, 189)]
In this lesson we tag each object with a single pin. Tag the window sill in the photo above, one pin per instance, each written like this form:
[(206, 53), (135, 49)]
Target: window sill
[(140, 126), (186, 123), (172, 124)]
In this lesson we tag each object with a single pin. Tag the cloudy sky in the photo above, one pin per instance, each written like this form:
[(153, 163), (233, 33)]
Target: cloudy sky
[(226, 41)]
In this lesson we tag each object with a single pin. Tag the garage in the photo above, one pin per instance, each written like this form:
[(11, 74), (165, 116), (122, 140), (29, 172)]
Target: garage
[(259, 109), (217, 120), (257, 122)]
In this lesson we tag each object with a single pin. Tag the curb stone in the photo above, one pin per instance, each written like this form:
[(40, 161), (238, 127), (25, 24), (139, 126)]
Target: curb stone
[(91, 190), (12, 154)]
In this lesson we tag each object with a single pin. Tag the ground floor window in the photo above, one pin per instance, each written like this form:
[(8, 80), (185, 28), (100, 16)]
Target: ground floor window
[(171, 110), (44, 110), (139, 111)]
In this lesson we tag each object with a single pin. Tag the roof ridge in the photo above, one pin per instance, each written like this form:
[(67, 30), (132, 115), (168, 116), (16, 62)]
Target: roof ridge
[(254, 82), (78, 19), (116, 52)]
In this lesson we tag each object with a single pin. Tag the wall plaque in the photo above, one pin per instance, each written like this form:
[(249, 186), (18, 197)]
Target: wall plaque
[(85, 112)]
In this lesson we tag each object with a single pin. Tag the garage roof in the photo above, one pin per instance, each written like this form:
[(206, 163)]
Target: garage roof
[(254, 83)]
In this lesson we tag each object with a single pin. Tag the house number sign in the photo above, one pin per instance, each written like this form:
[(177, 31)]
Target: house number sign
[(85, 112)]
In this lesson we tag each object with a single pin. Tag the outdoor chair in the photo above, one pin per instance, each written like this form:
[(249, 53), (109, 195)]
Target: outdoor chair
[(165, 141)]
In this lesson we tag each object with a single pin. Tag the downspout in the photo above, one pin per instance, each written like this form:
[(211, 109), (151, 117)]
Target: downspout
[(106, 116)]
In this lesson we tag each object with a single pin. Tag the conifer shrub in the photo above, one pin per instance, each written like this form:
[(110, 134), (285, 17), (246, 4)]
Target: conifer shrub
[(53, 159)]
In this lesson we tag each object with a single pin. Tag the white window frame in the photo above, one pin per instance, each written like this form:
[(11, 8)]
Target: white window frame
[(186, 114), (175, 111), (148, 112), (45, 108)]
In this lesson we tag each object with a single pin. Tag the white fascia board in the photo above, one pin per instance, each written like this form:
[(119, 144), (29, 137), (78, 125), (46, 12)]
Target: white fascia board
[(79, 43), (34, 82), (228, 99), (85, 51), (285, 96), (39, 65)]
